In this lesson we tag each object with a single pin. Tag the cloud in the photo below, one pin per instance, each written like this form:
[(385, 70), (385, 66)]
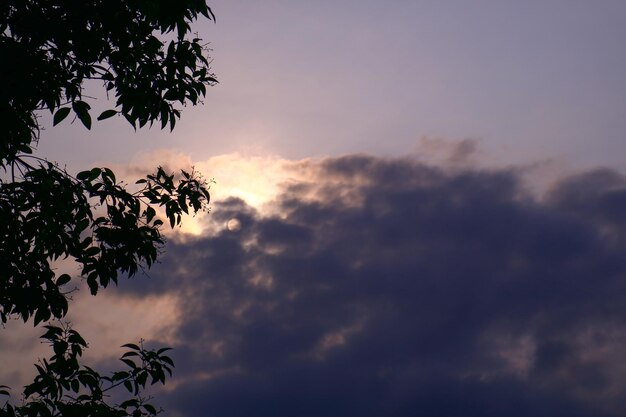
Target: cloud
[(376, 286), (447, 152)]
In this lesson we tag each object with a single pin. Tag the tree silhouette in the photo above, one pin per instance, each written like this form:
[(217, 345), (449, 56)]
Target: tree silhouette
[(144, 54)]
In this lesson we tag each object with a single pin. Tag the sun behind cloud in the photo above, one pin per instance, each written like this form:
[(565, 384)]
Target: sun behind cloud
[(255, 179)]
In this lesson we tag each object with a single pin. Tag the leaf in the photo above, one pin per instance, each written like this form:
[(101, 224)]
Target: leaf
[(131, 346), (109, 174), (29, 390), (60, 115), (168, 360), (94, 173), (164, 117), (83, 175), (182, 202), (59, 347), (150, 213), (93, 285), (141, 379), (94, 250), (211, 13), (131, 120), (53, 330), (63, 279), (130, 363), (42, 314), (118, 376), (130, 403), (170, 95), (129, 386), (106, 114), (87, 380), (82, 225), (76, 338), (82, 112), (25, 149)]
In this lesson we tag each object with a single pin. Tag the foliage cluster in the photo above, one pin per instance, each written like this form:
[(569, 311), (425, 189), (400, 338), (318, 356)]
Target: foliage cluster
[(144, 54), (64, 387), (54, 46)]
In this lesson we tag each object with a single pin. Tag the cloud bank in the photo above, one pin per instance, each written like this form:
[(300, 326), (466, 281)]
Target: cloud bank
[(390, 287)]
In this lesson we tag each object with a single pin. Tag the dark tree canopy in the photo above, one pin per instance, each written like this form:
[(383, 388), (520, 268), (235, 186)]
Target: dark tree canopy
[(145, 56), (50, 47)]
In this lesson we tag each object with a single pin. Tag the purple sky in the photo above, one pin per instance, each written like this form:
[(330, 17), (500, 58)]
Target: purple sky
[(530, 80), (375, 247)]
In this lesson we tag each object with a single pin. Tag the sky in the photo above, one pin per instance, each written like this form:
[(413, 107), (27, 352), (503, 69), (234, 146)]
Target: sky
[(418, 209), (532, 80)]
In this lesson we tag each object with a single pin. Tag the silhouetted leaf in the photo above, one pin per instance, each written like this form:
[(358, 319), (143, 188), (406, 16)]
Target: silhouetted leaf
[(42, 314), (63, 279), (60, 115), (94, 173), (129, 363), (128, 385), (131, 346), (106, 114), (82, 112), (83, 175)]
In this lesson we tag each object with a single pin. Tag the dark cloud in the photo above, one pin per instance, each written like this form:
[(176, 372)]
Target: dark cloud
[(385, 287)]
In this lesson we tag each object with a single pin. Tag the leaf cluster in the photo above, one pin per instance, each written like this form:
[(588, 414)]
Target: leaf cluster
[(54, 46), (144, 54), (93, 219), (64, 387)]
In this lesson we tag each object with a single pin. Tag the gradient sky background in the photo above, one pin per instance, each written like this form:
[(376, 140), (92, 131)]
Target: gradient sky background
[(531, 80), (426, 205)]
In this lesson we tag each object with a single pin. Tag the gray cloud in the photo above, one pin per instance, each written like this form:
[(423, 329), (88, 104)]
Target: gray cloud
[(389, 287)]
